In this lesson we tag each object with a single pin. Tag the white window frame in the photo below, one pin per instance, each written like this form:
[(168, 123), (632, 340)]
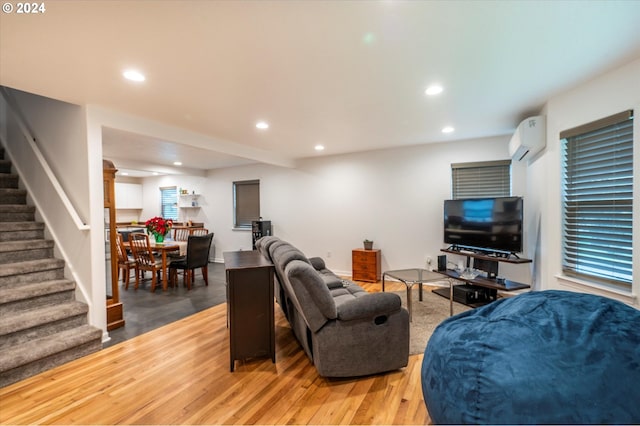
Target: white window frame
[(603, 259)]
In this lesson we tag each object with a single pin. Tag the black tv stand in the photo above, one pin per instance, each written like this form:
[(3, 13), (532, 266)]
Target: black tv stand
[(474, 252), (496, 256)]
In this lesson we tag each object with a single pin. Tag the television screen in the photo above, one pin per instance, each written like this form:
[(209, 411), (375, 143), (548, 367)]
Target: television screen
[(484, 223)]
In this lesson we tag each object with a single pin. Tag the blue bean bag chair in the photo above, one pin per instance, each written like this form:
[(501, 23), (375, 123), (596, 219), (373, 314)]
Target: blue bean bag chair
[(545, 357)]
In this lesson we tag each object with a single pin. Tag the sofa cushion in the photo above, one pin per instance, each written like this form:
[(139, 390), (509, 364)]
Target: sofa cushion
[(332, 281), (312, 297), (285, 253), (317, 263)]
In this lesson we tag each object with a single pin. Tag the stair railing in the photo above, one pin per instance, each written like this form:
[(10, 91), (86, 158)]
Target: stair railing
[(31, 140)]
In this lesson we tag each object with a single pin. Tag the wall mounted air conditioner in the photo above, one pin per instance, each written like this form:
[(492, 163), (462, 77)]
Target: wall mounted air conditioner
[(529, 139)]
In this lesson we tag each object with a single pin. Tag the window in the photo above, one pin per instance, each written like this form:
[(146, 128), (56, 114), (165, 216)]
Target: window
[(169, 200), (246, 203), (597, 201), (480, 180)]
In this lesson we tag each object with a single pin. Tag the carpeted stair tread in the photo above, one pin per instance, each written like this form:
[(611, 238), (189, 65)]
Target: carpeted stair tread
[(12, 196), (8, 180), (41, 316), (21, 226), (13, 208), (20, 231), (16, 212), (20, 251), (5, 166), (27, 291), (28, 266), (13, 246), (43, 347)]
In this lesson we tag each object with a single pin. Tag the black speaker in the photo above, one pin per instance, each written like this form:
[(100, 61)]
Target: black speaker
[(442, 262)]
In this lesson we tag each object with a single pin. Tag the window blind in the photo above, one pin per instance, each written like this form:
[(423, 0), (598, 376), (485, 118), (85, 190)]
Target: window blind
[(169, 201), (598, 201), (479, 180), (246, 202)]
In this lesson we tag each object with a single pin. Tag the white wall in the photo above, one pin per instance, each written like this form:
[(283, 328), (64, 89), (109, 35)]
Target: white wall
[(608, 94), (328, 205), (152, 203)]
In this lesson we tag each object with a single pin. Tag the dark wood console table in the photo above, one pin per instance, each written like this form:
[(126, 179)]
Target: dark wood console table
[(250, 305)]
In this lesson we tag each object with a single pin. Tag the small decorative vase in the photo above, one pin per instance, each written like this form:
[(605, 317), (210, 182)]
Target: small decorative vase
[(159, 238), (368, 245)]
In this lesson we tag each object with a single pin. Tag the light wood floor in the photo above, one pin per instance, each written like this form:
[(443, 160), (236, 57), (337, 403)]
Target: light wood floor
[(179, 374)]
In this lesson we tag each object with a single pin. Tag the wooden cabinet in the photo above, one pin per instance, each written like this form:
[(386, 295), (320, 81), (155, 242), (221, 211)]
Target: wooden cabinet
[(115, 316), (365, 265), (250, 305)]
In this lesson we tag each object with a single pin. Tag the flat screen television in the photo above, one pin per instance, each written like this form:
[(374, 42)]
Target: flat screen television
[(490, 224)]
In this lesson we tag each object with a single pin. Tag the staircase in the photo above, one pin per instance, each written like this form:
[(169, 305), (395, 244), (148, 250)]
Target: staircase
[(41, 324)]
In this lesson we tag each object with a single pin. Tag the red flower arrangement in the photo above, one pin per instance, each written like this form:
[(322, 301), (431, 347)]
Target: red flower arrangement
[(158, 226)]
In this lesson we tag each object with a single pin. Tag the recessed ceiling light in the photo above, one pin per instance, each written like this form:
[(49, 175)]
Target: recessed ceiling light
[(177, 163), (447, 129), (319, 147), (125, 174), (134, 75), (155, 173), (262, 125), (434, 89)]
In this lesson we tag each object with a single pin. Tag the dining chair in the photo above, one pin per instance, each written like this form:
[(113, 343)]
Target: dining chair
[(144, 257), (125, 262), (198, 231), (180, 234), (197, 257)]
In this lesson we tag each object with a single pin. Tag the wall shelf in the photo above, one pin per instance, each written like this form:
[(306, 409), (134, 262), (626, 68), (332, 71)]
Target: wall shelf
[(189, 201)]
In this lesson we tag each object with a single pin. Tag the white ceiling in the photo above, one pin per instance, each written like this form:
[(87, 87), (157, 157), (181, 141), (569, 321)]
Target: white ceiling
[(349, 75)]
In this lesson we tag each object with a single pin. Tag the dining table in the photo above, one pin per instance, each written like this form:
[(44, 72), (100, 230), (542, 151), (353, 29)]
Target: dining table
[(165, 247)]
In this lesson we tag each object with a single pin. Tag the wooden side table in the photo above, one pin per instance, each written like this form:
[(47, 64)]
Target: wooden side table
[(365, 265), (250, 305)]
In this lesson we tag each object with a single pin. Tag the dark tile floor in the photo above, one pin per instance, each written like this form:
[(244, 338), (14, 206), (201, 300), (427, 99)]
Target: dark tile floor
[(145, 311)]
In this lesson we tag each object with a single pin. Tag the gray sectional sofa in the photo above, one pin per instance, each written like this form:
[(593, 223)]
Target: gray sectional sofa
[(343, 329)]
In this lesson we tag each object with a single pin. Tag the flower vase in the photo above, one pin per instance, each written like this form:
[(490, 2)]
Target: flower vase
[(159, 238)]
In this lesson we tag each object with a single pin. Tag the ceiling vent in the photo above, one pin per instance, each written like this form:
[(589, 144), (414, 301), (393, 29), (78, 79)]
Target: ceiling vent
[(529, 139)]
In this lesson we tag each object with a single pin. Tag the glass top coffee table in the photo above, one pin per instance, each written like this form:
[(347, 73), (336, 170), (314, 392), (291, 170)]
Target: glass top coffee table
[(412, 276)]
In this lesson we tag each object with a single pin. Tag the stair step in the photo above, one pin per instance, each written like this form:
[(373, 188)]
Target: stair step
[(15, 274), (20, 231), (18, 251), (22, 326), (13, 196), (8, 180), (41, 323), (34, 295), (36, 356), (5, 166), (16, 213)]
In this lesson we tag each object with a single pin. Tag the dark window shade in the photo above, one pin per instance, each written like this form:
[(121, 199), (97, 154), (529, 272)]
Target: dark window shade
[(480, 180), (598, 203), (169, 200), (246, 202)]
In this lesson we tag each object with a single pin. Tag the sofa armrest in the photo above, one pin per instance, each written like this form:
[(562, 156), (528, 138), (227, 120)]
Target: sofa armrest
[(368, 306)]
